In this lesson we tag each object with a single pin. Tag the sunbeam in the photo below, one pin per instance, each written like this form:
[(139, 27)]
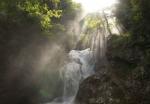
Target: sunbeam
[(95, 5)]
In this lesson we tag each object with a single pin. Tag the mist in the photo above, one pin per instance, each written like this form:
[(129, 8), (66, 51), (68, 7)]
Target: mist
[(74, 52)]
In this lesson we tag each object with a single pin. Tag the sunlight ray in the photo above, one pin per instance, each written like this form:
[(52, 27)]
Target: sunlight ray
[(95, 5)]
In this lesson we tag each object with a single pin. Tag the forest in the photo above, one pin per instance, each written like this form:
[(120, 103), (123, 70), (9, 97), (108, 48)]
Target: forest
[(56, 52)]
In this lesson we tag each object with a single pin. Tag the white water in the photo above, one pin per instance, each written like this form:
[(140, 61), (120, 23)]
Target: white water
[(78, 68)]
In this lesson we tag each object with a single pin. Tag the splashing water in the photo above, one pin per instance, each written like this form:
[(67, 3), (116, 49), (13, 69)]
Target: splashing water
[(79, 67)]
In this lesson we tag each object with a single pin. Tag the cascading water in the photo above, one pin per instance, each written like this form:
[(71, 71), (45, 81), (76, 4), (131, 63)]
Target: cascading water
[(79, 67), (81, 63)]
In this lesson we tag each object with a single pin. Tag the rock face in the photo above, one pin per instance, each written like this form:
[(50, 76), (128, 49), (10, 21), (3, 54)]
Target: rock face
[(126, 80), (108, 89), (99, 89)]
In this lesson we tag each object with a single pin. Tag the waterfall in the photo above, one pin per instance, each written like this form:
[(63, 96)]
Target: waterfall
[(78, 67), (82, 63)]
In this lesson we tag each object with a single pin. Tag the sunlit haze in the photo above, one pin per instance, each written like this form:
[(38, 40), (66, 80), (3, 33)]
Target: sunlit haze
[(95, 5)]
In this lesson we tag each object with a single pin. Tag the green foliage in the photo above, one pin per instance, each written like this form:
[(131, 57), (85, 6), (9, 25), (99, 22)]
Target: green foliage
[(92, 23), (31, 9), (46, 14), (134, 14), (42, 11)]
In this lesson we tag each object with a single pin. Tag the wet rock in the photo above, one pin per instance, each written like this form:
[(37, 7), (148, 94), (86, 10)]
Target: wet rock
[(99, 89)]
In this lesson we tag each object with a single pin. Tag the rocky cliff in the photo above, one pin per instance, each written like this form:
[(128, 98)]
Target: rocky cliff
[(126, 80)]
